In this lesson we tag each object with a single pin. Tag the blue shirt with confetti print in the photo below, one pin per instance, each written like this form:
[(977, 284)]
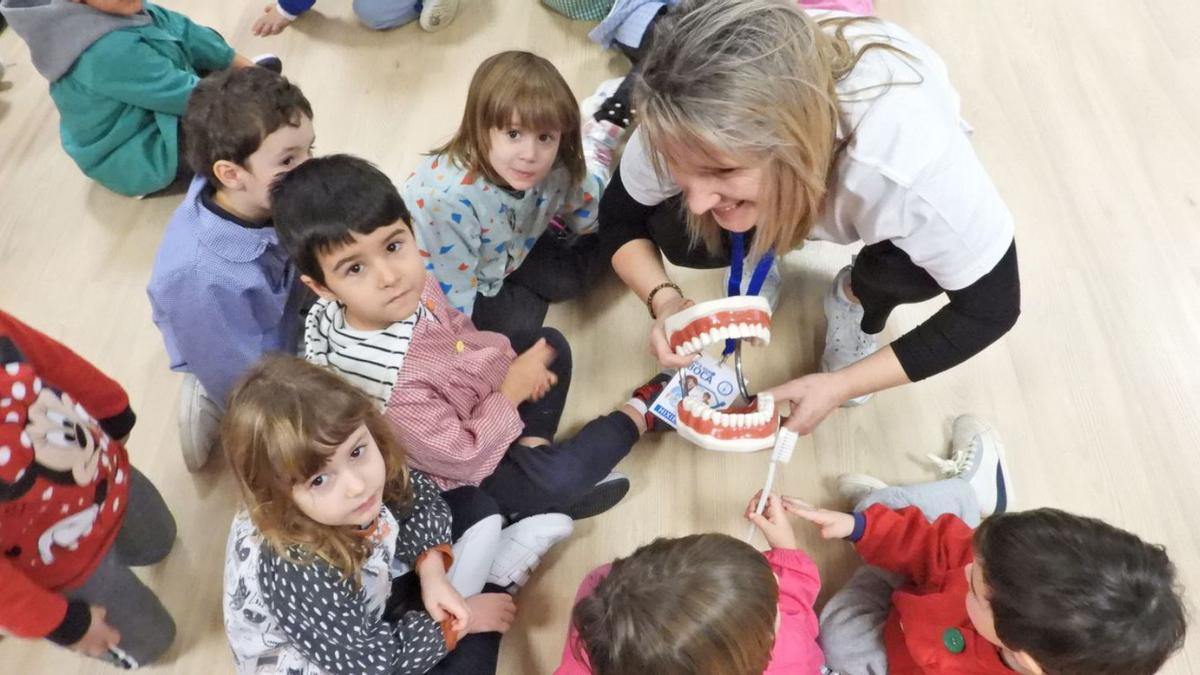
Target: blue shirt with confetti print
[(473, 234)]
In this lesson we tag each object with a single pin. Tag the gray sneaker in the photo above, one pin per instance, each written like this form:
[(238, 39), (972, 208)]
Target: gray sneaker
[(977, 456), (199, 423), (437, 14), (845, 341)]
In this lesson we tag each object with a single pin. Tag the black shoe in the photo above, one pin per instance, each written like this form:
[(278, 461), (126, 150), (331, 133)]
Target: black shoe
[(603, 496), (270, 62)]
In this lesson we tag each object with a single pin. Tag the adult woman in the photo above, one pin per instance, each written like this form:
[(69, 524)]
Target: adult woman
[(781, 127)]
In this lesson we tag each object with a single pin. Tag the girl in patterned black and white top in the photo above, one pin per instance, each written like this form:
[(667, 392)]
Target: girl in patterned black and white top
[(338, 562)]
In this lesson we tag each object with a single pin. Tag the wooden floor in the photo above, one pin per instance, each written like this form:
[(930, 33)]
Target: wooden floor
[(1086, 115)]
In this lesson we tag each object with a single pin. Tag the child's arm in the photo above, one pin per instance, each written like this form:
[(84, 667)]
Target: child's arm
[(156, 84), (328, 620), (450, 236), (215, 330), (441, 444), (901, 541), (581, 211), (31, 611), (206, 50), (426, 526), (799, 579), (67, 371)]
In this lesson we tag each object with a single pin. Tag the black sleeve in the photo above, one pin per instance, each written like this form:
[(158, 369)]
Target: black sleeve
[(976, 317), (622, 218), (427, 523), (328, 620)]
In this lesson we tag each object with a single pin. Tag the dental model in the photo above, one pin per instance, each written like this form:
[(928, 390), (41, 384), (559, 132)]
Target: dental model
[(738, 318), (747, 428)]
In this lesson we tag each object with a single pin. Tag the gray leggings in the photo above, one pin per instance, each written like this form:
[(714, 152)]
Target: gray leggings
[(146, 537), (853, 619)]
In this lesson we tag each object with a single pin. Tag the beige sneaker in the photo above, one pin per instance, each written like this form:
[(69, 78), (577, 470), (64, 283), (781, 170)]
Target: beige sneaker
[(854, 486), (437, 14), (199, 423)]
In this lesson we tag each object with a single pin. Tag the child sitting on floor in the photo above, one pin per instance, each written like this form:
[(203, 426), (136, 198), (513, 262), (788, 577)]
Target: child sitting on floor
[(338, 561), (466, 407), (433, 15), (705, 603), (1038, 591), (75, 514), (223, 291), (120, 73), (499, 208)]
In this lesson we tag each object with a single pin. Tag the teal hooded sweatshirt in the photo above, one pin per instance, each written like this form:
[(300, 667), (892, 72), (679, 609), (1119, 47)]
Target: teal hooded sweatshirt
[(120, 84)]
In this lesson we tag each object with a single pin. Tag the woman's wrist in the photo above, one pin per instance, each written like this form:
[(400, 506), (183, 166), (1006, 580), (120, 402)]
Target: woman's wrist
[(662, 298)]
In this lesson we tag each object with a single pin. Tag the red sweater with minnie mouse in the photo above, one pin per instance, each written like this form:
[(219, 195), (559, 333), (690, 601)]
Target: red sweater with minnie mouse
[(64, 480)]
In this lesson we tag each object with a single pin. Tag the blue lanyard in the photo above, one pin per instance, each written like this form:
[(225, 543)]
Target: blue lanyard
[(737, 242)]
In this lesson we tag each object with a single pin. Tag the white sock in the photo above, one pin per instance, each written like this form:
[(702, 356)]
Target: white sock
[(638, 405)]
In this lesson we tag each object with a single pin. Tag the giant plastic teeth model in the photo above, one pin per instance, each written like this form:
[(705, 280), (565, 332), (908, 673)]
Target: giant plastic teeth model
[(743, 429), (740, 317)]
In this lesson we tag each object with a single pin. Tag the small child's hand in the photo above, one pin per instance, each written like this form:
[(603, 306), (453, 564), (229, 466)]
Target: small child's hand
[(442, 601), (833, 524), (773, 522), (271, 22), (100, 636), (529, 377), (491, 613)]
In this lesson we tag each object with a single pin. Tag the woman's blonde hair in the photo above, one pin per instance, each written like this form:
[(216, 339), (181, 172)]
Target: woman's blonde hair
[(285, 418), (756, 80), (705, 603), (521, 85)]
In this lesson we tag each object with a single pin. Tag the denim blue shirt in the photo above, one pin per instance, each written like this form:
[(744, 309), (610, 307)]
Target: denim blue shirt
[(223, 293)]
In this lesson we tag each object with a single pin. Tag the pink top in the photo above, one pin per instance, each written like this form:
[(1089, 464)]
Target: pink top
[(796, 650), (446, 406)]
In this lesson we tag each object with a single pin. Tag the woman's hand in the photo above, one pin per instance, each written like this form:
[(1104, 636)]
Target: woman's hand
[(812, 398), (833, 524), (773, 521), (271, 22), (659, 347)]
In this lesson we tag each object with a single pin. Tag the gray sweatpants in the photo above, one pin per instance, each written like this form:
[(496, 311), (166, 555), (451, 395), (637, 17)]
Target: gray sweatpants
[(853, 619), (145, 538)]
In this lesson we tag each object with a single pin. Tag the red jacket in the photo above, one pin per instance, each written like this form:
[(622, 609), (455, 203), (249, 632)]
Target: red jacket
[(933, 557), (63, 481), (446, 406)]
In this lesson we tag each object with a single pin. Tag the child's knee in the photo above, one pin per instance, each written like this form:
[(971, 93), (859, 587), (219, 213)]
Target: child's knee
[(386, 14)]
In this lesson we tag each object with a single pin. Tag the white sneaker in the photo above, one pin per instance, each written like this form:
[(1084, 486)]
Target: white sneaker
[(199, 423), (523, 544), (977, 456), (437, 14), (772, 286), (845, 341), (854, 486)]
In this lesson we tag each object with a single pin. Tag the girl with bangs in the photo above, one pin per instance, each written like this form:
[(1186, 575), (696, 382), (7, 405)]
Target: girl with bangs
[(340, 560), (764, 126), (506, 211)]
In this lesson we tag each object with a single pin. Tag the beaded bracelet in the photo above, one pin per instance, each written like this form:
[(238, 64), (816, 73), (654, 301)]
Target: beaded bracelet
[(654, 291)]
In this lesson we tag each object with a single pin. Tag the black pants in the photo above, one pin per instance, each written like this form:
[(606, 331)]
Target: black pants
[(529, 481), (553, 271), (885, 277), (477, 653)]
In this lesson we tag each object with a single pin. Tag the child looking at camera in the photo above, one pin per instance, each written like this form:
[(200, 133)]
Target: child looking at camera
[(338, 561), (499, 210)]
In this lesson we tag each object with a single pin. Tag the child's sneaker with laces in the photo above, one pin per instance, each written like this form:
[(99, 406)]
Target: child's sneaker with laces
[(644, 397), (437, 14), (845, 341), (523, 544), (853, 487), (977, 456), (199, 423)]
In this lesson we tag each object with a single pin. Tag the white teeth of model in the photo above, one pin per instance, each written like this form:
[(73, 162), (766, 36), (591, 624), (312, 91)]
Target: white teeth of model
[(741, 421), (680, 350), (766, 334), (706, 413), (723, 331), (697, 345), (745, 330), (705, 339)]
